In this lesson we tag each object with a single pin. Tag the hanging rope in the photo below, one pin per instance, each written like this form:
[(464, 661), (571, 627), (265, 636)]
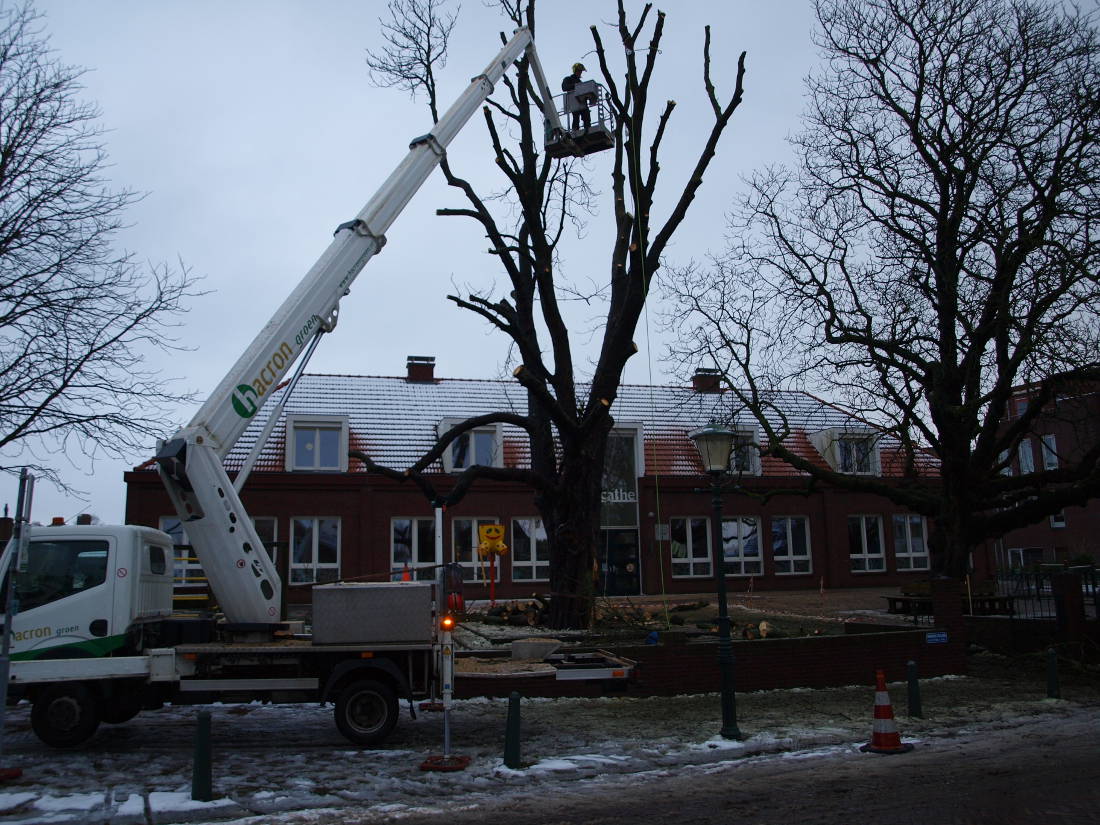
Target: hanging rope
[(635, 169)]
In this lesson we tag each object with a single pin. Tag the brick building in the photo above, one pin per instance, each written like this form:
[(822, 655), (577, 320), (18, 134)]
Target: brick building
[(1058, 437), (338, 521)]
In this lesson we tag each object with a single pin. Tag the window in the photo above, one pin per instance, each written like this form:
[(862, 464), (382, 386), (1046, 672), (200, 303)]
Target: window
[(1005, 460), (854, 455), (1026, 456), (745, 457), (850, 449), (317, 443), (412, 544), (56, 569), (186, 570), (156, 560), (791, 545), (1049, 447), (464, 549), (483, 446), (910, 545), (267, 528), (865, 544), (690, 539), (741, 546), (315, 549), (530, 551), (1058, 519)]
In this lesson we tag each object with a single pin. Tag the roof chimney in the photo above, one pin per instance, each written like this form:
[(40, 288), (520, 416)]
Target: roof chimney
[(420, 368), (707, 379)]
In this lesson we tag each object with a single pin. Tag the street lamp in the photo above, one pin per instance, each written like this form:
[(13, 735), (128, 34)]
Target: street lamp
[(715, 445)]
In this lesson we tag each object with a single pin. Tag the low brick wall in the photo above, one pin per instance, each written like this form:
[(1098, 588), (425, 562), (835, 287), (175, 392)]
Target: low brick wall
[(1003, 634), (762, 664)]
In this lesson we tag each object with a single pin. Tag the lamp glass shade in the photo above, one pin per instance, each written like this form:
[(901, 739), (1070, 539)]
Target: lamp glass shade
[(714, 443)]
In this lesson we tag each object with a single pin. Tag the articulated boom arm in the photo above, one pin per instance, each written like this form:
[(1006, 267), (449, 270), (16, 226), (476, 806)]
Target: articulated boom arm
[(240, 572)]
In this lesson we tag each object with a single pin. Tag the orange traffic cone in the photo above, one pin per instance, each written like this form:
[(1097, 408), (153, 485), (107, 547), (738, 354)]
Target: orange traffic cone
[(884, 732), (405, 575)]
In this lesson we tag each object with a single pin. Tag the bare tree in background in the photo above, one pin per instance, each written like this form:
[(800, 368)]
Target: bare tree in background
[(569, 415), (934, 249), (75, 315)]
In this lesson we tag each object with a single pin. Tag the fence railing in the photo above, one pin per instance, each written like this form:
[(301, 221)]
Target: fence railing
[(1032, 590)]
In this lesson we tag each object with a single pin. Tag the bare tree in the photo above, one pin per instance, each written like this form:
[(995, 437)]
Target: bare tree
[(75, 315), (934, 250), (569, 415)]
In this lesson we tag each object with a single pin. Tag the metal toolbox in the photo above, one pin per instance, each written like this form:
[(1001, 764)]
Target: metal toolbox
[(375, 613)]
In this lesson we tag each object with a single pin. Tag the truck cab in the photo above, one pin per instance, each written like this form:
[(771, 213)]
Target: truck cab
[(85, 587)]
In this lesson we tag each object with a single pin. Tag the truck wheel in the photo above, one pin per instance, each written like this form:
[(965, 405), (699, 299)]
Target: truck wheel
[(366, 712), (65, 715)]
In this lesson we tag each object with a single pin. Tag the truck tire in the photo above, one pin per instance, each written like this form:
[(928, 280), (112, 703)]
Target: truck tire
[(366, 712), (65, 715)]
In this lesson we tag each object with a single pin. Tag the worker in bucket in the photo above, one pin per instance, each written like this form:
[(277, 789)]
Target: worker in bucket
[(577, 103)]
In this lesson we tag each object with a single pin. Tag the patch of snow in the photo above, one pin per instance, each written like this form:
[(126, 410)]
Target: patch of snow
[(72, 802)]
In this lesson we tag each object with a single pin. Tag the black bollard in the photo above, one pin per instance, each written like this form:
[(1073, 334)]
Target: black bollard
[(202, 789), (915, 709), (1054, 691), (511, 733)]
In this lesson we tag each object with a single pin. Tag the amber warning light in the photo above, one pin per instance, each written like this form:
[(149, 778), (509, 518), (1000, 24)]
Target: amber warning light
[(447, 623)]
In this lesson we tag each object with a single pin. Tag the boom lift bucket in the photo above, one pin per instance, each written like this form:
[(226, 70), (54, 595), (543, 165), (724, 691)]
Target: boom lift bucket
[(599, 134)]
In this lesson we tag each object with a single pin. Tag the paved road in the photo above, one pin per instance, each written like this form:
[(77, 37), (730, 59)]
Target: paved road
[(1039, 773)]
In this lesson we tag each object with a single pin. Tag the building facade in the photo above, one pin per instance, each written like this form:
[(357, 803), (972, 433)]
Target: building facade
[(1059, 436), (326, 518)]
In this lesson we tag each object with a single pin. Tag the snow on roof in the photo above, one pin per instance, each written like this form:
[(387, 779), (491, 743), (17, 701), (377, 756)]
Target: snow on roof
[(396, 421)]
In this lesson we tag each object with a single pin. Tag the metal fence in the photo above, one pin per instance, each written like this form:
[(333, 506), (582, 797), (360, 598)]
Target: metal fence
[(1032, 590)]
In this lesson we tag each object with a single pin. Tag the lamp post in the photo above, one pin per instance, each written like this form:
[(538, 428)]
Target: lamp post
[(715, 444)]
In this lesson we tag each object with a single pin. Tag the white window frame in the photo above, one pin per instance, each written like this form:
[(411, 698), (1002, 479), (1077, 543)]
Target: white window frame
[(467, 557), (314, 566), (905, 557), (698, 560), (535, 532), (422, 561), (297, 463), (1048, 446), (828, 442), (865, 555), (1058, 520), (736, 559), (792, 558), (1025, 455), (186, 570), (496, 431), (746, 446)]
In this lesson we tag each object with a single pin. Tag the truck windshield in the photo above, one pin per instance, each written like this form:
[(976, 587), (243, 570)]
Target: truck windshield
[(56, 569)]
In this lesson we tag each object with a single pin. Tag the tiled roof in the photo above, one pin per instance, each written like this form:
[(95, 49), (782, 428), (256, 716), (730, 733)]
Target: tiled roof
[(395, 420)]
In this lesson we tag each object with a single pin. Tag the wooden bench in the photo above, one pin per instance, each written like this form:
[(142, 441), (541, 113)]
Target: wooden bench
[(915, 606), (921, 606), (989, 605)]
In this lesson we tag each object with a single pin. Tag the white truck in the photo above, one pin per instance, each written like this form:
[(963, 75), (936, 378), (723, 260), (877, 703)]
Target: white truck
[(95, 641), (93, 637)]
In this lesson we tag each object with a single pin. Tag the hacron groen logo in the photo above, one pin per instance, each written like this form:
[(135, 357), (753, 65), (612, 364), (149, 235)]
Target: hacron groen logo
[(246, 398)]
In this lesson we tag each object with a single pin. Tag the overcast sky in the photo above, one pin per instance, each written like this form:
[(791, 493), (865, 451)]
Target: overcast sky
[(255, 131)]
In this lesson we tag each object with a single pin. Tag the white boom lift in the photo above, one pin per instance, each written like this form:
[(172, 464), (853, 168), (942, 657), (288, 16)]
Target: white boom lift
[(239, 569)]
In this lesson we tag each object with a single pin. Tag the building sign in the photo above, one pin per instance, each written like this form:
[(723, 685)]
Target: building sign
[(620, 481), (936, 637)]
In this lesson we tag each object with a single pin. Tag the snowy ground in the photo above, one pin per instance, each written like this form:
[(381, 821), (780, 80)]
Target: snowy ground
[(288, 764)]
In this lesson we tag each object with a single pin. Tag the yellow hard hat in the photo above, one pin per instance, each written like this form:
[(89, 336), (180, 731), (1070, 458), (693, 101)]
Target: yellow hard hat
[(579, 67)]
